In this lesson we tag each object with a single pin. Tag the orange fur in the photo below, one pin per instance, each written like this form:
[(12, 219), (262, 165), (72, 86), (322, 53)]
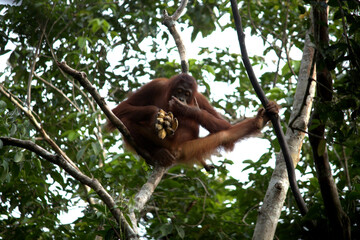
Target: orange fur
[(139, 113)]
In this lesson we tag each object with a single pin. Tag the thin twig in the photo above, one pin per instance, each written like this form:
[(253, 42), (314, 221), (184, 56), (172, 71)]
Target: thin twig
[(346, 35), (37, 125), (285, 39), (204, 203), (346, 167), (247, 213), (58, 90), (273, 46), (32, 69)]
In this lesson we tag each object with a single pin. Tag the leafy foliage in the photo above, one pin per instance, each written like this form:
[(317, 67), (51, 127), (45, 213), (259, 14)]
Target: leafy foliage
[(188, 203)]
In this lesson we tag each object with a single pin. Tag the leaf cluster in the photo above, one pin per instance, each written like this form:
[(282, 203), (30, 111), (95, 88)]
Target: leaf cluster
[(188, 203)]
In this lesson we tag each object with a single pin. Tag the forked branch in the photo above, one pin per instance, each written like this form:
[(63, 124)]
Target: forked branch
[(169, 22)]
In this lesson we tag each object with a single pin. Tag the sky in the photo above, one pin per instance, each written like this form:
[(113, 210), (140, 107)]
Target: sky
[(6, 2)]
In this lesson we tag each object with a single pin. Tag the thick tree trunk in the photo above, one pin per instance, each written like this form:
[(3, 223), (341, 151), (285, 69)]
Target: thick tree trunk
[(339, 221), (269, 212)]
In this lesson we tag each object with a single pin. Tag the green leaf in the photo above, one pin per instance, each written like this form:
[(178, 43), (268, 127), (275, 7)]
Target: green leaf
[(81, 42), (301, 9), (180, 231), (18, 157), (37, 163), (113, 34), (96, 147), (58, 178), (105, 26), (95, 24), (80, 154), (4, 173), (128, 220), (275, 93), (13, 130), (166, 229), (2, 104), (209, 69), (73, 135)]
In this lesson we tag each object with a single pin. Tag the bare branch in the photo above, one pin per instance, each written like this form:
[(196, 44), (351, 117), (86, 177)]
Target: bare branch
[(77, 174), (58, 90), (273, 45), (203, 206), (29, 113), (143, 196), (179, 11), (344, 164), (51, 48), (247, 213), (81, 77), (169, 22)]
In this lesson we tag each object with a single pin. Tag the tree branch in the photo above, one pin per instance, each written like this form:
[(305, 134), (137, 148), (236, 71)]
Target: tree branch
[(148, 188), (273, 203), (340, 226), (307, 91), (29, 113), (58, 90), (143, 196), (169, 22), (274, 118), (272, 45), (77, 174), (146, 191), (82, 78)]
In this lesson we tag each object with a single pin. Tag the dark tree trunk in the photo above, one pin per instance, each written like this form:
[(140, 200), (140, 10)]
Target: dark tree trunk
[(339, 221)]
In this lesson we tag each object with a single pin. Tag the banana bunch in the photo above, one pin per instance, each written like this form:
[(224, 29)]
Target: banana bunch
[(166, 124)]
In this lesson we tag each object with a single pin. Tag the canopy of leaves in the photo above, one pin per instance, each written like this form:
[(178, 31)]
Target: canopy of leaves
[(188, 203)]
